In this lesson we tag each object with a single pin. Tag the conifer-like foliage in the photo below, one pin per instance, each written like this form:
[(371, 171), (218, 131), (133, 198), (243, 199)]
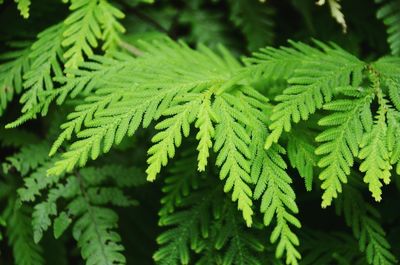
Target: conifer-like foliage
[(224, 132)]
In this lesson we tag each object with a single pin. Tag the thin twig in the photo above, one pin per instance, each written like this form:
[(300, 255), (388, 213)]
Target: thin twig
[(130, 48)]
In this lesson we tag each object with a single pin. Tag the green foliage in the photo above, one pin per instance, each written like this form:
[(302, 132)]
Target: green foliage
[(340, 144), (204, 224), (89, 22), (389, 14), (47, 55), (301, 154), (13, 66), (338, 248), (23, 7), (255, 20), (311, 85), (19, 232), (235, 151), (363, 219)]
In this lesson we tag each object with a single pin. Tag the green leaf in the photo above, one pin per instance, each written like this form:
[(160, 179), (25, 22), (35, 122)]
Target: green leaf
[(61, 223), (23, 7)]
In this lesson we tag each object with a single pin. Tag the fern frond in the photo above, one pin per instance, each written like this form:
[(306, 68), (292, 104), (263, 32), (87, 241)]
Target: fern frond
[(90, 75), (255, 20), (375, 154), (363, 219), (46, 55), (176, 125), (93, 224), (301, 154), (313, 84), (19, 232), (393, 138), (278, 201), (190, 226), (388, 68), (389, 13), (115, 119), (29, 157), (204, 123), (340, 143), (81, 37), (112, 28), (268, 173), (94, 232), (36, 181), (240, 246), (89, 22), (182, 178), (13, 67), (231, 144), (194, 227), (279, 63), (86, 79)]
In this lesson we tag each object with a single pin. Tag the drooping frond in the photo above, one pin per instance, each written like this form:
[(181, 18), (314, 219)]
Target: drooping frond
[(278, 202), (204, 124), (239, 244), (89, 193), (205, 224), (46, 54), (375, 154), (173, 128), (108, 17), (267, 171), (340, 143), (182, 178), (90, 22), (191, 223), (363, 219), (389, 13), (279, 63), (19, 232), (301, 154), (231, 144), (35, 182)]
